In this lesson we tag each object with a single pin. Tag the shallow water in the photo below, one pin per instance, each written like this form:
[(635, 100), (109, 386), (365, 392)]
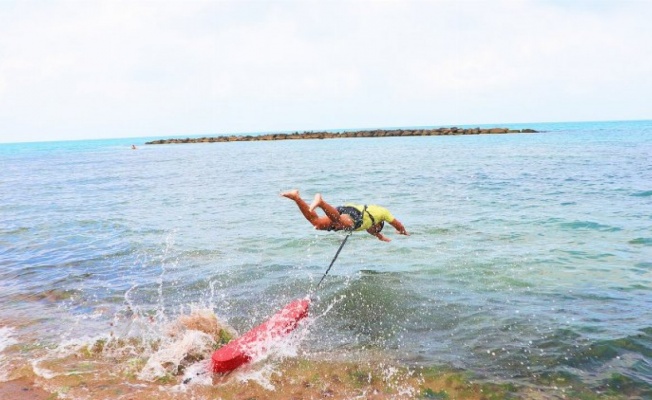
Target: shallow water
[(530, 255)]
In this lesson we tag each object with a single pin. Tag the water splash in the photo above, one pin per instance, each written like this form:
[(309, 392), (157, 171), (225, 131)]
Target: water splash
[(169, 245), (183, 343), (175, 355), (268, 354), (6, 340)]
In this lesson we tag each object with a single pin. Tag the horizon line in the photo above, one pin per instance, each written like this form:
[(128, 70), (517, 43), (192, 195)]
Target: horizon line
[(198, 135)]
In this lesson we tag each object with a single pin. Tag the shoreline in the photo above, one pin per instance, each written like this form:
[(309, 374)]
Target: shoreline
[(451, 131), (298, 377)]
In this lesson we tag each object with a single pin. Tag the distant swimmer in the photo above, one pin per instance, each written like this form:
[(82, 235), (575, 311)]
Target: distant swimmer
[(350, 217), (133, 147)]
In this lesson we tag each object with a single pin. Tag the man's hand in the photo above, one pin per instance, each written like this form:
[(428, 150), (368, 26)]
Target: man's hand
[(399, 227)]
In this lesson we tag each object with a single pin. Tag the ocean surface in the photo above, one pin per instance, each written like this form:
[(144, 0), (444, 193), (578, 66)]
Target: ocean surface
[(529, 259)]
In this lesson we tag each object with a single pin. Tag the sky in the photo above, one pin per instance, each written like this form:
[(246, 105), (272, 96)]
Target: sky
[(111, 69)]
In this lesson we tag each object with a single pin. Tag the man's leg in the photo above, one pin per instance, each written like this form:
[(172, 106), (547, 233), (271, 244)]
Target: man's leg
[(310, 215), (332, 213)]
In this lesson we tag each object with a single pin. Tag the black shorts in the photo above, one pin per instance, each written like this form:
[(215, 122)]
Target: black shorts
[(354, 213)]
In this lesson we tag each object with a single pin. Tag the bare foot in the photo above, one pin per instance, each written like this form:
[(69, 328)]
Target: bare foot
[(291, 194), (316, 202)]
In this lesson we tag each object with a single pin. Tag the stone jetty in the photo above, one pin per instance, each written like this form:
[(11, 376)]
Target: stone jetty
[(346, 134)]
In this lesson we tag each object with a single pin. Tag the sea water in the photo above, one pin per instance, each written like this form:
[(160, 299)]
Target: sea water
[(529, 255)]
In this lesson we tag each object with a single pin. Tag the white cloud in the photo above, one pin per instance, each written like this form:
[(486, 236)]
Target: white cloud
[(77, 69)]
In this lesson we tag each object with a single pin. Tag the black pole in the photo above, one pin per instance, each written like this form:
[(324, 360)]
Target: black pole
[(334, 258)]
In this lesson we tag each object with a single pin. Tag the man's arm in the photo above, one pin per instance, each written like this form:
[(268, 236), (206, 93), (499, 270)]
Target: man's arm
[(399, 227), (374, 231)]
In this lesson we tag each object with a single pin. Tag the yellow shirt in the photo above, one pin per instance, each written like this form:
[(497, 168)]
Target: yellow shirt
[(379, 214)]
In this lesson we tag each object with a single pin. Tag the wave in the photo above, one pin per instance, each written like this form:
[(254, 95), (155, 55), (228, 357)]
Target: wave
[(589, 225), (642, 241), (565, 358), (370, 311), (622, 364)]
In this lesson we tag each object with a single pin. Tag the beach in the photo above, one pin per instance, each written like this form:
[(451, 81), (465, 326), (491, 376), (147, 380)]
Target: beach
[(298, 378)]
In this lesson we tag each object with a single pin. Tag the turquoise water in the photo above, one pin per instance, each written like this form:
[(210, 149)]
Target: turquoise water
[(530, 255)]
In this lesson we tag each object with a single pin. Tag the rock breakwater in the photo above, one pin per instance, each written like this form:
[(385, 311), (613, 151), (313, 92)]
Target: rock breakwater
[(346, 134)]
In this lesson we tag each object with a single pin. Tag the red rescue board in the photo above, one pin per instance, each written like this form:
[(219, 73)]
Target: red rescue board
[(241, 350)]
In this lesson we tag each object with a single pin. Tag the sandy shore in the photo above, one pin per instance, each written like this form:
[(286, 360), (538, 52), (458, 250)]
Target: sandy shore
[(298, 379), (23, 389)]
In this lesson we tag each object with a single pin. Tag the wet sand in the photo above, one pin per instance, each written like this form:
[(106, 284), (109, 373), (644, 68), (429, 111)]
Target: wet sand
[(93, 377), (295, 379), (23, 389)]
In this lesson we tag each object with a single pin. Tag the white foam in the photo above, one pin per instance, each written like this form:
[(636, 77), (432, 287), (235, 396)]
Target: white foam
[(42, 372), (260, 373), (6, 338), (197, 374), (170, 356)]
